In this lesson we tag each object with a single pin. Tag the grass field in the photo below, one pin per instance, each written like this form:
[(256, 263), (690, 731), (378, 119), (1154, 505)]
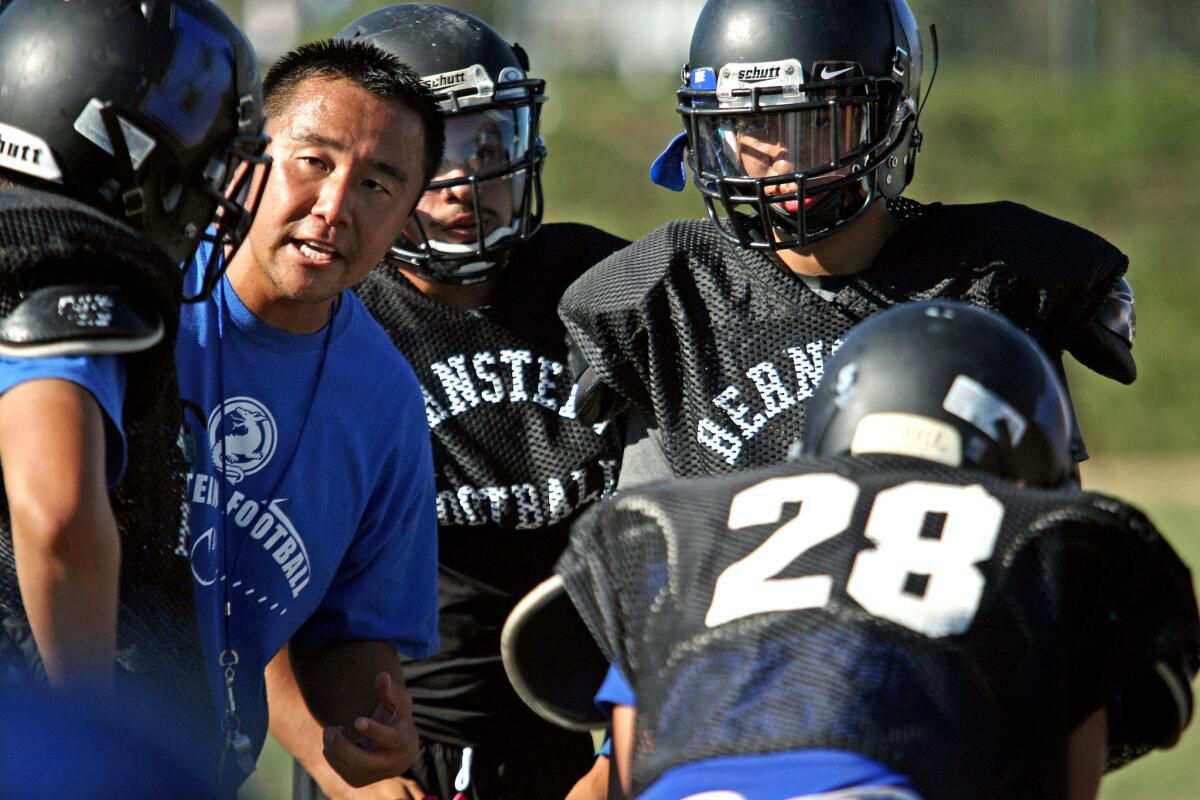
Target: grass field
[(1166, 488)]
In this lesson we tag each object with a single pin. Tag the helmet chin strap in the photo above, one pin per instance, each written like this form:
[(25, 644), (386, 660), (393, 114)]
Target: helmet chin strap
[(133, 202)]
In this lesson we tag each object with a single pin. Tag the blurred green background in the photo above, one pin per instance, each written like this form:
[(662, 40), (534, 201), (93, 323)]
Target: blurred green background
[(1084, 109)]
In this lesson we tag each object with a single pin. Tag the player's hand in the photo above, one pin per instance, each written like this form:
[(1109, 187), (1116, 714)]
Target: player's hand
[(593, 785), (377, 748)]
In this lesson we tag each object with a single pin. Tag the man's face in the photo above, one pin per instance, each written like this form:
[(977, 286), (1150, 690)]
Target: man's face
[(476, 144), (347, 173)]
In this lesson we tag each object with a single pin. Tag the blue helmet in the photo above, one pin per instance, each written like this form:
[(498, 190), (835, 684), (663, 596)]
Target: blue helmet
[(144, 110)]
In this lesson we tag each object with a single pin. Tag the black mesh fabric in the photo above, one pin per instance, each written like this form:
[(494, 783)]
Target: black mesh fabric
[(723, 346), (45, 241), (1080, 597), (513, 467)]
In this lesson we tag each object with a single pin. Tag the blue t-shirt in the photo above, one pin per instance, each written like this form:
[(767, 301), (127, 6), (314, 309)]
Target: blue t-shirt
[(326, 480), (770, 776), (103, 376)]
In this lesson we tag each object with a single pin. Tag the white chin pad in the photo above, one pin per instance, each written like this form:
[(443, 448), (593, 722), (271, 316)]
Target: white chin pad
[(451, 248)]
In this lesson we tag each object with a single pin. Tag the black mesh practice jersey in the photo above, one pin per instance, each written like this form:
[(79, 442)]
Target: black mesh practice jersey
[(723, 346), (48, 241), (945, 623), (513, 465)]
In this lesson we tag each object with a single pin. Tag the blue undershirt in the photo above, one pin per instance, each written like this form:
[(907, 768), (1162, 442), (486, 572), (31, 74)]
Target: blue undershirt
[(770, 776)]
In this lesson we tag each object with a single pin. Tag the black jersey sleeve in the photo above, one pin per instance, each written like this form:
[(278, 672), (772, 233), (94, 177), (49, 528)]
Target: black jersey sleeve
[(591, 567), (1066, 271), (611, 310), (1131, 632)]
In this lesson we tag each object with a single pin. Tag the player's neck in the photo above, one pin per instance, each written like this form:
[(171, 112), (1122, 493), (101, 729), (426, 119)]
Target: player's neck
[(461, 298), (845, 253)]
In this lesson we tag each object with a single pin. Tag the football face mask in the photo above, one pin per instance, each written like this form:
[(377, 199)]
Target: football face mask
[(798, 157), (785, 161), (479, 200), (483, 170)]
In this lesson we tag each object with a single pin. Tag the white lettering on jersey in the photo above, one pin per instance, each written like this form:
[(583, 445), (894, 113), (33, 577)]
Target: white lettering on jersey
[(456, 383), (549, 386), (434, 413), (531, 505), (517, 359), (770, 388), (481, 362), (467, 382), (878, 578)]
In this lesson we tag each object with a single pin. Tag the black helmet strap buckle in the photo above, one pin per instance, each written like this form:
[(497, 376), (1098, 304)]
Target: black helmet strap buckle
[(134, 202), (132, 199)]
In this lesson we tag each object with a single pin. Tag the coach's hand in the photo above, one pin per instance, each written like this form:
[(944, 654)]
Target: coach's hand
[(377, 748)]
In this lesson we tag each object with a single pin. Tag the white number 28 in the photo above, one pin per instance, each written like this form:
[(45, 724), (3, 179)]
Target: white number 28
[(954, 585)]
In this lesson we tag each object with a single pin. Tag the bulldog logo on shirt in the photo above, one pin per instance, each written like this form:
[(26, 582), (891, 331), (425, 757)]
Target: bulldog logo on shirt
[(242, 436)]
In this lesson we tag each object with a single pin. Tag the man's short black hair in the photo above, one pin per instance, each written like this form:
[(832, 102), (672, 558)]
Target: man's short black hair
[(380, 73)]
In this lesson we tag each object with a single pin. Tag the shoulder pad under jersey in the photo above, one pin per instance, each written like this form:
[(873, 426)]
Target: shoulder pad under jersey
[(79, 319), (1106, 344), (593, 400)]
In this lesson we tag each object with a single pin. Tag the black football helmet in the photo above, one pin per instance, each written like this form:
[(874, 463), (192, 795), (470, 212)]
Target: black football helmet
[(947, 382), (800, 113), (493, 154), (145, 110)]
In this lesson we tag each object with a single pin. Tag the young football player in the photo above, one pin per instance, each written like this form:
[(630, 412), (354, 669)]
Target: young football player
[(469, 294), (924, 607), (801, 132), (119, 142)]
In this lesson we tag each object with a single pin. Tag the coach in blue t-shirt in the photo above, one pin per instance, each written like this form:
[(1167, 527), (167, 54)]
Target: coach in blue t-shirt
[(311, 492)]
